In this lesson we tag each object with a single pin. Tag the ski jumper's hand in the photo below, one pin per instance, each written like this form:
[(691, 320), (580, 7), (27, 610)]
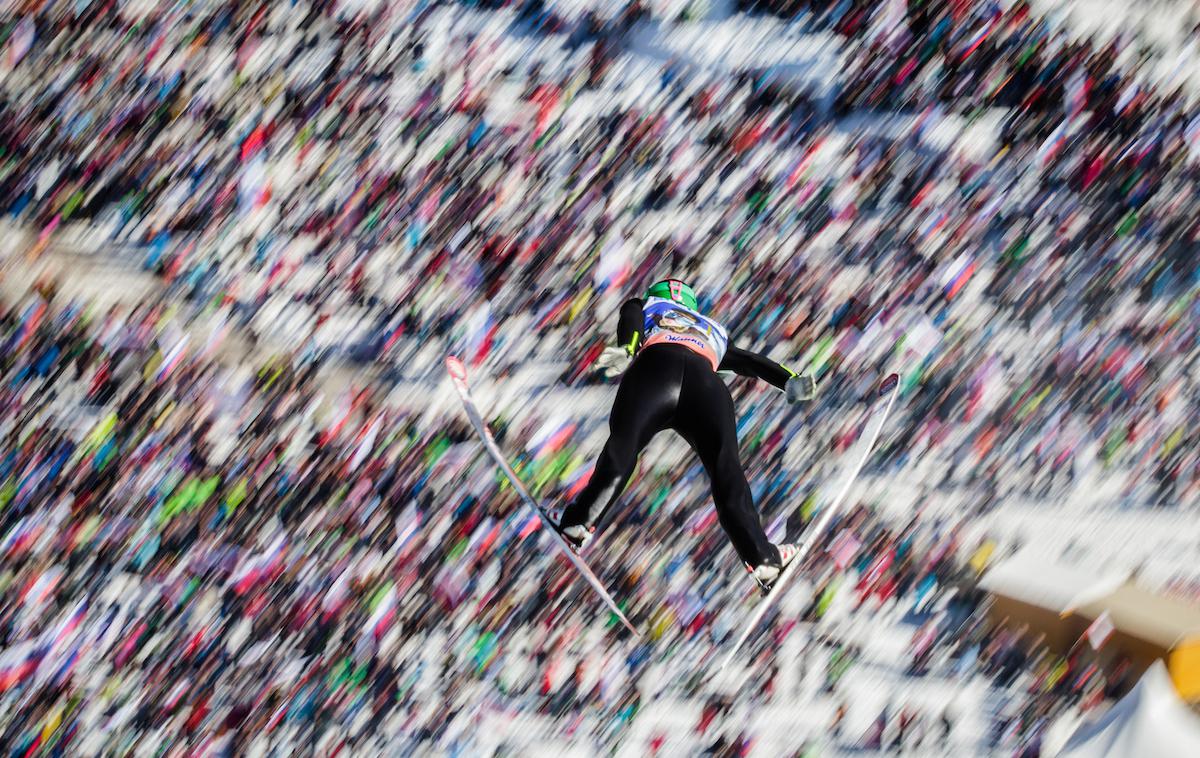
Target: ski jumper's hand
[(801, 388), (614, 360)]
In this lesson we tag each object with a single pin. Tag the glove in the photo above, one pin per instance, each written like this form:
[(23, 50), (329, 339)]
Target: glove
[(613, 361), (801, 388)]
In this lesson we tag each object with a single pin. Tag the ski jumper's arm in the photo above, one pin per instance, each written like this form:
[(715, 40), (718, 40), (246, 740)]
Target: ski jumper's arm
[(746, 363), (629, 325)]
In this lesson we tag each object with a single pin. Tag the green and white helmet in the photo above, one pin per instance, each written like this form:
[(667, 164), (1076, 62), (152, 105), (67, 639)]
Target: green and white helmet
[(674, 290)]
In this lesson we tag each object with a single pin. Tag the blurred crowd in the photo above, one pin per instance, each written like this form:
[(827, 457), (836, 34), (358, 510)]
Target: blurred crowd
[(224, 558), (231, 553), (372, 184)]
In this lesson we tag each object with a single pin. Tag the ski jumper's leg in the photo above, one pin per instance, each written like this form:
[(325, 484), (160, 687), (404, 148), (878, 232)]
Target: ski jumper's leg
[(707, 421), (644, 406)]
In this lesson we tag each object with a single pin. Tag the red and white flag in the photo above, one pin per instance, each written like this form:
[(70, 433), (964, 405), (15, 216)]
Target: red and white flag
[(365, 441), (1099, 630)]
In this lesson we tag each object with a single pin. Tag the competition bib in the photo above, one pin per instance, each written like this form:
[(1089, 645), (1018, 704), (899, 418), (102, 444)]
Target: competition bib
[(668, 322)]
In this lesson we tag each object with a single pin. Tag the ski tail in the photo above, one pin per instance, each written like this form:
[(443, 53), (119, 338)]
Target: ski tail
[(888, 390), (458, 375)]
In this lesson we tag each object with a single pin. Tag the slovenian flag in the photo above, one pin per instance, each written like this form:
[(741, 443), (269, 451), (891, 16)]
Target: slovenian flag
[(40, 589), (958, 274), (172, 358), (552, 309), (977, 39), (405, 532), (21, 41), (69, 624), (58, 659), (16, 663), (18, 537), (479, 329), (1054, 143), (933, 224)]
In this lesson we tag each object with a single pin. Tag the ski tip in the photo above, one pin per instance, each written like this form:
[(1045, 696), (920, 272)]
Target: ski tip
[(456, 368), (889, 383)]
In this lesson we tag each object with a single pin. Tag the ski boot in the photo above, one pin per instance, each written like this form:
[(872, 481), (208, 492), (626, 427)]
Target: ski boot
[(765, 574), (576, 536)]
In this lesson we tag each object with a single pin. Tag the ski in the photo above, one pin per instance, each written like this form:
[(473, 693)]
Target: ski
[(458, 375), (878, 413)]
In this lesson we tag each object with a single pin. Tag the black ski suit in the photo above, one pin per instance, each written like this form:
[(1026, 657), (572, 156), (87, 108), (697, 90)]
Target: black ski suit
[(671, 387)]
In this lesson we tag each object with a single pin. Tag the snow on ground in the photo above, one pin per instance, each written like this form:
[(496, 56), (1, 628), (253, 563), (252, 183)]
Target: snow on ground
[(1163, 24)]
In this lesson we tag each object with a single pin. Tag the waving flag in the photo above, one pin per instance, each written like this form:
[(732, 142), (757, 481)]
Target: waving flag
[(384, 612), (366, 441), (21, 41), (16, 663), (1054, 143), (258, 566)]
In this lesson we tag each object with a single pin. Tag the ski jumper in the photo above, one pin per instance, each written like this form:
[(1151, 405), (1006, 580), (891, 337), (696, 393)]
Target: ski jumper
[(672, 383)]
